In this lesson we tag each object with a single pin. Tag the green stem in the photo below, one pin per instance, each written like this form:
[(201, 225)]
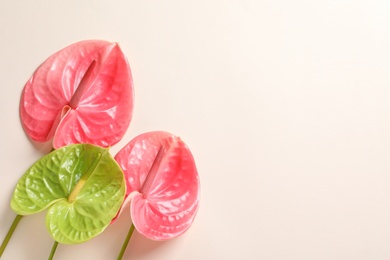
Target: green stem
[(126, 242), (53, 250), (9, 234)]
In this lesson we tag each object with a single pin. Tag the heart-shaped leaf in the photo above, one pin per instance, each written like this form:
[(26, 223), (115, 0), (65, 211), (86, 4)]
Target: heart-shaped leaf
[(83, 187), (81, 94), (162, 184)]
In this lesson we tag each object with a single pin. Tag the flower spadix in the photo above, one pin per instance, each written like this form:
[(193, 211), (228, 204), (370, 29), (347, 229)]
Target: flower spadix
[(81, 185), (162, 184), (81, 94)]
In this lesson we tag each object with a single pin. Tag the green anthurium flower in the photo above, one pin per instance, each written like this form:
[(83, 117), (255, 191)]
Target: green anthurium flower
[(82, 187)]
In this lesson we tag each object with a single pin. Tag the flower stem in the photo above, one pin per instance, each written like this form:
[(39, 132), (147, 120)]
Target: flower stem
[(126, 242), (9, 234), (53, 250)]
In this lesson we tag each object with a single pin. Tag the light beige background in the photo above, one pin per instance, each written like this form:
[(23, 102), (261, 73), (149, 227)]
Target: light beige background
[(284, 104)]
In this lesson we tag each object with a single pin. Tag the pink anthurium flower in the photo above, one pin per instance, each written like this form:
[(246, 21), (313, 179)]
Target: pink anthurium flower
[(81, 94), (162, 184)]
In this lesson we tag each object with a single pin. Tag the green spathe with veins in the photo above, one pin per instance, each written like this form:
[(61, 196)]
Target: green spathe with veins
[(82, 187)]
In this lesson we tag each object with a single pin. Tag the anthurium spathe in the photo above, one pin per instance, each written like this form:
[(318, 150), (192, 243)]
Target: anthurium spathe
[(82, 187), (81, 94), (162, 184)]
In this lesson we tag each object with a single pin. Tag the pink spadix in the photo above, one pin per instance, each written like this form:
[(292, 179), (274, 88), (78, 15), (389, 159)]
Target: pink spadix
[(162, 184), (81, 94)]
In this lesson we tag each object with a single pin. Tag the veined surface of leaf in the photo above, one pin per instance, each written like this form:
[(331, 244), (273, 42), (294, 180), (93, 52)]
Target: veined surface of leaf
[(82, 186), (162, 184), (81, 94)]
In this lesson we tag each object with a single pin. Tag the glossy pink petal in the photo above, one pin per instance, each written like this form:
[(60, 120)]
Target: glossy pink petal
[(162, 184), (81, 94)]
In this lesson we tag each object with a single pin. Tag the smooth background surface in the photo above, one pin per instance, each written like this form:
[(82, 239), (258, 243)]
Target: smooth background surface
[(284, 104)]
